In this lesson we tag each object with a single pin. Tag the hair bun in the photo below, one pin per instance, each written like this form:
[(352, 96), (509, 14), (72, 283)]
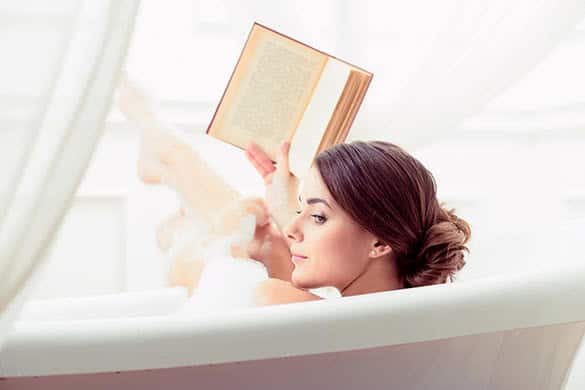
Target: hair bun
[(440, 254)]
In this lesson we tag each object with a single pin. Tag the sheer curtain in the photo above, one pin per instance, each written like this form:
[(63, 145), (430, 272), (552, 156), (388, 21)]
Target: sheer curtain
[(443, 62), (60, 63)]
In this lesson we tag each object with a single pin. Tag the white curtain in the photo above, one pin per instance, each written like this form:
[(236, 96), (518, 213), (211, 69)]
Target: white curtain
[(438, 63), (60, 62)]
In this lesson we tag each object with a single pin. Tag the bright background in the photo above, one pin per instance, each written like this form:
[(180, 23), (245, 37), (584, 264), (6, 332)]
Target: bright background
[(515, 171)]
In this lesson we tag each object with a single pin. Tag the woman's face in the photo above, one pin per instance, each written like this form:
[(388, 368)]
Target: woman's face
[(328, 248)]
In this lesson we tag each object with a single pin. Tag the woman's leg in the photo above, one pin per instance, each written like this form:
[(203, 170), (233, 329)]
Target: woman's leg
[(165, 159), (186, 267), (168, 229)]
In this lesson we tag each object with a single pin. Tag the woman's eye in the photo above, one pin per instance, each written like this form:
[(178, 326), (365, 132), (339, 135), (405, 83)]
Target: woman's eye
[(298, 212), (319, 218)]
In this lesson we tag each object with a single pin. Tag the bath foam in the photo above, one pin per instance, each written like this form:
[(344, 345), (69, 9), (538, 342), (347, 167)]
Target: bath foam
[(228, 282)]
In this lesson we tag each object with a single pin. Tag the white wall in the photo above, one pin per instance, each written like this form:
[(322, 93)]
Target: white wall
[(88, 253)]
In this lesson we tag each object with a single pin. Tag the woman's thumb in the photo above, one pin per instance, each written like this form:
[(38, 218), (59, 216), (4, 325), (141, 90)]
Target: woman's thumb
[(283, 159)]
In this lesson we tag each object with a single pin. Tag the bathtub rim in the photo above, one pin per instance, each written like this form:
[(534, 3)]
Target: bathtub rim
[(500, 303)]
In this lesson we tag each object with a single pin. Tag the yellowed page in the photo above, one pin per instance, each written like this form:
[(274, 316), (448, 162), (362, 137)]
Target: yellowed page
[(269, 91)]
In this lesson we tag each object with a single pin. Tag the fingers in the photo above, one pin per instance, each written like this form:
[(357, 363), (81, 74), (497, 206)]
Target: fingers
[(259, 160)]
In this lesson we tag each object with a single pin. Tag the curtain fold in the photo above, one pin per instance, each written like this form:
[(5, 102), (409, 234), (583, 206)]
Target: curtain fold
[(63, 62)]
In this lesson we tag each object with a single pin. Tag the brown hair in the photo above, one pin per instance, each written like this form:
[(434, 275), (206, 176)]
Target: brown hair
[(393, 196)]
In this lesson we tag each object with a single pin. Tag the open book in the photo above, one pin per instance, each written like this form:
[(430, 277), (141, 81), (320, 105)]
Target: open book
[(282, 89)]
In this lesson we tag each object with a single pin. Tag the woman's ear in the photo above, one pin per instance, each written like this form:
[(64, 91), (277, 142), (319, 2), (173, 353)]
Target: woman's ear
[(379, 249)]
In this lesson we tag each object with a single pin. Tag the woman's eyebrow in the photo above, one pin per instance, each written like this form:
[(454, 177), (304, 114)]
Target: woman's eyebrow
[(316, 200)]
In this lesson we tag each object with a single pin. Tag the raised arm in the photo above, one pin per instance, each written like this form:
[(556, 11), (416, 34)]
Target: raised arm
[(281, 186)]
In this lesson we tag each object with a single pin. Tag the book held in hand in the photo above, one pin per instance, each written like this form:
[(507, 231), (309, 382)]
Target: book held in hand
[(282, 89)]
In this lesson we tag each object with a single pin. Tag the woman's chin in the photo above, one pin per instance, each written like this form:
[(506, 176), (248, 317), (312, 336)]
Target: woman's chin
[(300, 280)]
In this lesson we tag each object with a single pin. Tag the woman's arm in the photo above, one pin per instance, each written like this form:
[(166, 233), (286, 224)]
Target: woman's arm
[(281, 185)]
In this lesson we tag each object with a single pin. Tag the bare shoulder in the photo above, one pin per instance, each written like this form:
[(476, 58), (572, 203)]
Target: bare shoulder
[(276, 292)]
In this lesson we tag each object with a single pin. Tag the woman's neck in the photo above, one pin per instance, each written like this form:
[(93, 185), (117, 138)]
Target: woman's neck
[(380, 275)]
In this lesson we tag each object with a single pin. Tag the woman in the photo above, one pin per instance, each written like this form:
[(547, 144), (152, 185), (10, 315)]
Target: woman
[(367, 217)]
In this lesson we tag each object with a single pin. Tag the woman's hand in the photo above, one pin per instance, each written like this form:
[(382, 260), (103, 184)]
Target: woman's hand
[(281, 185), (241, 222), (260, 241)]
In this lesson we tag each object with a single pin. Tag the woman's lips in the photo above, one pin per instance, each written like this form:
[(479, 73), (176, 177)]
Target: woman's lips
[(297, 257)]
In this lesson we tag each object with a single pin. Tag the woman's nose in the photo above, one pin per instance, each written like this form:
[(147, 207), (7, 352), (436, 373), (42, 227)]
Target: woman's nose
[(292, 231)]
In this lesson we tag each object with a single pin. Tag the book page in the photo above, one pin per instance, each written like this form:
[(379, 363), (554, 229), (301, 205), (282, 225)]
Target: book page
[(313, 125), (269, 91)]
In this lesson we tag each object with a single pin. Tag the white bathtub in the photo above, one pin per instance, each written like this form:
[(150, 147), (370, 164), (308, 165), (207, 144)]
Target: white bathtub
[(519, 331)]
